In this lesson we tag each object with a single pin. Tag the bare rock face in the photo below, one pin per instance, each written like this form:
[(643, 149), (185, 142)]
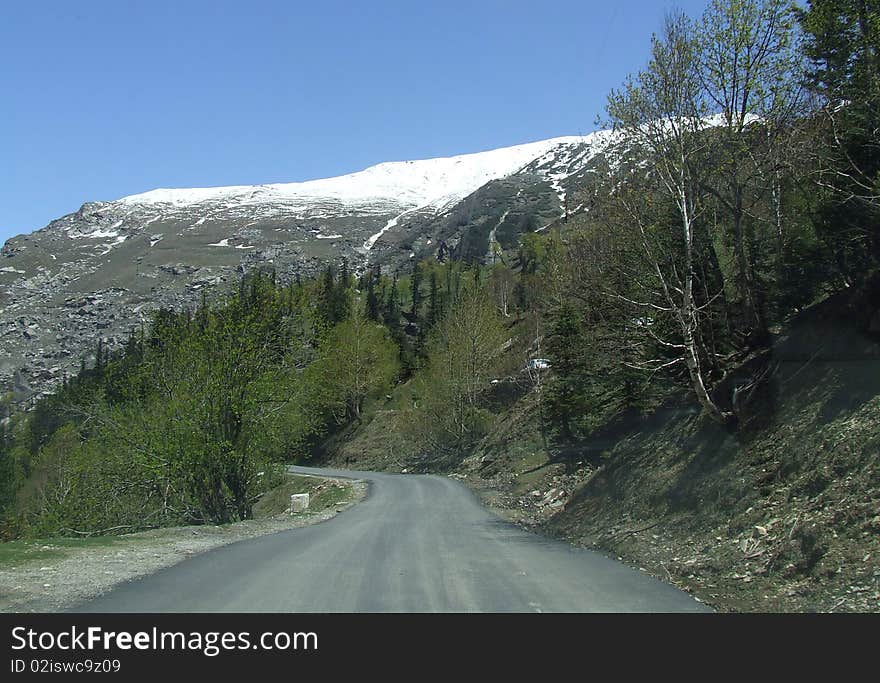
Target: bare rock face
[(100, 272)]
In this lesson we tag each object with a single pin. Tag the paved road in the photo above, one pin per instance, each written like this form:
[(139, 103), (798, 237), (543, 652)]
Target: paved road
[(418, 543)]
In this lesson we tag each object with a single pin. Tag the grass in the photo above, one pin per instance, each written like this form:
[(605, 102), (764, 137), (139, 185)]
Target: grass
[(323, 494), (15, 553)]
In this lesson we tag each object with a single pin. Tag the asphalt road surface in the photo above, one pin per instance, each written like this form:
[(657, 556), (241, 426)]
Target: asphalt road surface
[(418, 543)]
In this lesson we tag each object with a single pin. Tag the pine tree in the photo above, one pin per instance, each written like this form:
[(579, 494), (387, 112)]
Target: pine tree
[(329, 280), (416, 291), (344, 274), (372, 306), (391, 315), (563, 396), (843, 46), (434, 312), (334, 296)]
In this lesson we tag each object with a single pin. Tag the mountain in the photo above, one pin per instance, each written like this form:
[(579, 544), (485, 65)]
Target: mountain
[(98, 273)]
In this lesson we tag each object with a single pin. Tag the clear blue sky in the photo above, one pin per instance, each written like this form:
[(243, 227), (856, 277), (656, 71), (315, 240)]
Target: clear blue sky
[(102, 99)]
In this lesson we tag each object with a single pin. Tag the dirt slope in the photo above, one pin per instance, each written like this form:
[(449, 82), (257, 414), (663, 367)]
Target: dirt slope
[(782, 515)]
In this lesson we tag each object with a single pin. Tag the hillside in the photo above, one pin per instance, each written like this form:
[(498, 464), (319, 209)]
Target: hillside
[(781, 515)]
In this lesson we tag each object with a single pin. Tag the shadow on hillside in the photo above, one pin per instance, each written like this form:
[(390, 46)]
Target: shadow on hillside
[(825, 365)]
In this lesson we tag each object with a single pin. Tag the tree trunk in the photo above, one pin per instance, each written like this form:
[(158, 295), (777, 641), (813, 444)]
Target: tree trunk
[(688, 319)]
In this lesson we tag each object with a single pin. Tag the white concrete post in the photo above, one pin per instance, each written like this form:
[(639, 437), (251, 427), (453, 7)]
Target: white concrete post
[(299, 502)]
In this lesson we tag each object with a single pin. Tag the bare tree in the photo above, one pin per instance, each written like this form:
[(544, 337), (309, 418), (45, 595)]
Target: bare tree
[(661, 115)]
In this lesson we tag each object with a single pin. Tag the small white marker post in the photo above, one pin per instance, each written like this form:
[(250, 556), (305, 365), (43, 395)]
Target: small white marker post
[(299, 502)]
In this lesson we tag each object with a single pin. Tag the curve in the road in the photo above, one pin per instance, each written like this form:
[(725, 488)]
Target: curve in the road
[(418, 543)]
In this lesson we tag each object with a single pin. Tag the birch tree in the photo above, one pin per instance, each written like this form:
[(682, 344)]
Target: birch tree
[(660, 115)]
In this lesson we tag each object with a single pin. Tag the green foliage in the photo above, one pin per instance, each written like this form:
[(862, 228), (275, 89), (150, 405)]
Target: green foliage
[(842, 44), (842, 40), (334, 298), (373, 310), (564, 396), (190, 421), (435, 310), (8, 477), (416, 291), (466, 351), (358, 359)]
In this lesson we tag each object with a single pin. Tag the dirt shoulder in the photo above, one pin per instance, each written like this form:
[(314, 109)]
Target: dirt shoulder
[(55, 574)]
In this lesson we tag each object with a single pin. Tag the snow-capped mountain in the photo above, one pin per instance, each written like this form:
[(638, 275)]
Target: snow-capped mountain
[(435, 182), (101, 270)]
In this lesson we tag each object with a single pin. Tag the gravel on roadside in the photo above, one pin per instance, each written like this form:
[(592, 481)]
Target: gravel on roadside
[(78, 574)]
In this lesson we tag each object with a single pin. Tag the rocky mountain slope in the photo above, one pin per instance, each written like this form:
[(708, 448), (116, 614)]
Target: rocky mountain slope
[(98, 273)]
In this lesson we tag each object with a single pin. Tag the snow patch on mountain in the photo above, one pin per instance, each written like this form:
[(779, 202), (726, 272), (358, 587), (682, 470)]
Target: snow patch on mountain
[(411, 184), (556, 183), (109, 247), (372, 239), (94, 234)]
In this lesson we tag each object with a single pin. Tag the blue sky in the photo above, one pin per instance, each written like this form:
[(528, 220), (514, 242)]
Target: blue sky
[(101, 99)]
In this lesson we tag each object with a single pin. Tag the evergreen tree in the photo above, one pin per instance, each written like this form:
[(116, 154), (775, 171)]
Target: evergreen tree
[(564, 397), (334, 298), (843, 45), (344, 275), (391, 314), (434, 312), (372, 304), (416, 291)]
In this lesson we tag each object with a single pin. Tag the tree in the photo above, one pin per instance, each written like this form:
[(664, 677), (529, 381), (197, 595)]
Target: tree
[(415, 284), (502, 281), (564, 393), (357, 359), (464, 356), (7, 464), (391, 313), (344, 276), (598, 342), (333, 301), (434, 303), (532, 255), (748, 70), (660, 115), (372, 303), (843, 46)]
